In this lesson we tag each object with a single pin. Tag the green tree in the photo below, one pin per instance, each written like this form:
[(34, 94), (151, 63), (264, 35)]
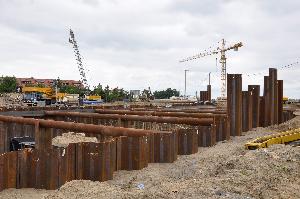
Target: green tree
[(8, 84), (98, 90), (72, 90), (166, 94)]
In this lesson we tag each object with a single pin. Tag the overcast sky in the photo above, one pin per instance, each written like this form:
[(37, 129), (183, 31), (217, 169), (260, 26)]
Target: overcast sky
[(135, 44)]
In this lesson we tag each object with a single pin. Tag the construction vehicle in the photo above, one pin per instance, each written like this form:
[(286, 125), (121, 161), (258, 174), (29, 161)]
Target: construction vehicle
[(19, 143), (278, 138), (219, 50), (285, 100), (92, 99), (37, 96)]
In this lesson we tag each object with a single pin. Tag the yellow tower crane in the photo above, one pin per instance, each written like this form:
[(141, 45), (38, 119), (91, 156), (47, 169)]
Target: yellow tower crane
[(219, 50)]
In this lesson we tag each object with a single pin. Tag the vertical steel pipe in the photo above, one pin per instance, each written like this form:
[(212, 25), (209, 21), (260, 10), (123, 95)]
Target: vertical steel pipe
[(234, 103), (246, 110), (273, 86), (255, 91), (267, 111), (209, 92), (280, 101)]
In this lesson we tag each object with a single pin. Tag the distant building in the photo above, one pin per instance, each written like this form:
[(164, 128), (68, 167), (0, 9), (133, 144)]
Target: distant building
[(47, 82)]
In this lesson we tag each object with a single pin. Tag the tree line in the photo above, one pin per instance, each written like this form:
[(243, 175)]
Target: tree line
[(9, 84)]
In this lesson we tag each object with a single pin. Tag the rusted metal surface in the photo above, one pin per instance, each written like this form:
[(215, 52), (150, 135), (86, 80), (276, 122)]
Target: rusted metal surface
[(262, 111), (246, 110), (206, 136), (273, 94), (8, 170), (163, 112), (79, 127), (187, 141), (156, 113), (203, 96), (255, 90), (50, 169), (206, 95), (222, 128), (132, 153), (234, 103), (280, 102), (171, 120), (267, 111), (164, 147), (209, 92)]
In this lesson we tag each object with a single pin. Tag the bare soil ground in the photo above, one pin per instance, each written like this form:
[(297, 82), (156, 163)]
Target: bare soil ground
[(226, 170)]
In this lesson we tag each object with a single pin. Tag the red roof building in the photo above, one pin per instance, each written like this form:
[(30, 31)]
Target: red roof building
[(47, 82)]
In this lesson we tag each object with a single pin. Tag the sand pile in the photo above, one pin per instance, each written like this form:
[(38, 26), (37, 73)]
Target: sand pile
[(288, 125), (71, 137)]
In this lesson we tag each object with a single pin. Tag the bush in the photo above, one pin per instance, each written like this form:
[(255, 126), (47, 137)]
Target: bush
[(8, 84)]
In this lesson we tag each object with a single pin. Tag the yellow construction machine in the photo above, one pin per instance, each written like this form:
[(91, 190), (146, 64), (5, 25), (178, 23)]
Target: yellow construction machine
[(278, 138), (33, 96)]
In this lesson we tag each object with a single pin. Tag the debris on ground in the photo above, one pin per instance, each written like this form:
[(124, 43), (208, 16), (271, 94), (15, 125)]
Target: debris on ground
[(12, 100), (66, 138)]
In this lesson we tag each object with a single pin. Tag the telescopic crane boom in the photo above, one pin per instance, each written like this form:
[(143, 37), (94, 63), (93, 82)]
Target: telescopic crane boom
[(79, 60)]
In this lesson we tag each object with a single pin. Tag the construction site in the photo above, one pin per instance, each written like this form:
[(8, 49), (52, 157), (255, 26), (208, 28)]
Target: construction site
[(61, 139), (246, 145)]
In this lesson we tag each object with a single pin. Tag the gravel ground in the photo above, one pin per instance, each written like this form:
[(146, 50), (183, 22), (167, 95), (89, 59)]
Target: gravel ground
[(226, 170)]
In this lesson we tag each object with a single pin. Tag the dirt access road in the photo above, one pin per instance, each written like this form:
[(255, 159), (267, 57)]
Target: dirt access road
[(226, 170)]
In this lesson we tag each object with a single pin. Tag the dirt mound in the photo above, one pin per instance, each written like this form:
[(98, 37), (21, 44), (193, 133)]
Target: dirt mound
[(288, 125), (71, 137), (11, 100)]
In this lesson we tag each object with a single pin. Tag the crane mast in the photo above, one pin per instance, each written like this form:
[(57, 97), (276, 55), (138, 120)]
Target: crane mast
[(79, 60), (219, 50), (223, 70)]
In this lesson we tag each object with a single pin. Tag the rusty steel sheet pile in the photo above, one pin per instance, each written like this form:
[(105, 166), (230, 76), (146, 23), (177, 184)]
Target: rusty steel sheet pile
[(217, 122)]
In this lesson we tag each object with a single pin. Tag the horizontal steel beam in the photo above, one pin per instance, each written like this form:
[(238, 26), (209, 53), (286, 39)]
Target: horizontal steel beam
[(80, 127), (171, 120), (158, 113)]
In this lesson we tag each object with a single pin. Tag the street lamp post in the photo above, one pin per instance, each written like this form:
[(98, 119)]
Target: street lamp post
[(185, 83)]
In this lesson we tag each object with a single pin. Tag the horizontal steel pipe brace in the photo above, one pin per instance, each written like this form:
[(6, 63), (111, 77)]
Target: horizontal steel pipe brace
[(159, 113), (88, 128), (206, 110), (171, 120)]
